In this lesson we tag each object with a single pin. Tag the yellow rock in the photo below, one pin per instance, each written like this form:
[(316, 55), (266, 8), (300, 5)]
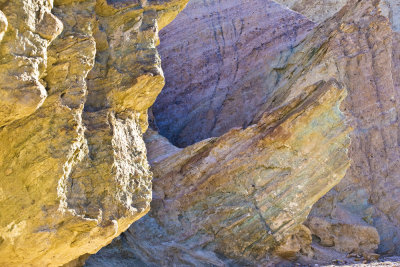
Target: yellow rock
[(73, 166)]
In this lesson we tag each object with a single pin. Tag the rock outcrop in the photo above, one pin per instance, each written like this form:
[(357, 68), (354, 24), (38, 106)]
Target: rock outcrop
[(248, 143), (242, 196), (320, 10), (217, 87), (315, 10), (358, 47), (368, 195), (356, 44), (75, 86), (239, 196)]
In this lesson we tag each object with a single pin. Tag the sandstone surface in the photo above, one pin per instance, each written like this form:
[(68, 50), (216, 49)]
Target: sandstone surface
[(320, 10), (251, 132), (369, 67), (241, 196), (354, 46), (236, 198), (357, 46), (75, 85), (315, 10)]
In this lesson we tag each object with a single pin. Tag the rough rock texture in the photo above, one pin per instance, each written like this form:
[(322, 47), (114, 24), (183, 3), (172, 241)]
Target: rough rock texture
[(237, 197), (344, 237), (26, 30), (243, 196), (264, 82), (75, 87), (369, 191), (316, 10), (358, 46), (320, 10), (369, 65), (217, 87)]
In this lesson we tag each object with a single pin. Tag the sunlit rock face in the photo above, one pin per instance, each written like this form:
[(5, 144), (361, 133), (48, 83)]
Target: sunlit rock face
[(242, 196), (76, 82), (358, 46), (320, 10), (315, 10), (208, 208), (239, 196), (249, 140), (368, 195)]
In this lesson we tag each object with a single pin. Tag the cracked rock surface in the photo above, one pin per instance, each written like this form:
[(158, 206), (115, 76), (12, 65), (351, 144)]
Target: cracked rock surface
[(274, 140), (242, 196), (241, 70), (76, 81)]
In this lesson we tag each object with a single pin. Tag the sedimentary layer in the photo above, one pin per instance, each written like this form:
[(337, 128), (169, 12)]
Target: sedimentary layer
[(355, 46), (240, 197)]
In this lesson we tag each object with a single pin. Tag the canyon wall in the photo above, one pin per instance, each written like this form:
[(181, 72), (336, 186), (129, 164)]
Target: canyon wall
[(368, 195), (227, 69), (275, 138), (254, 140), (76, 81), (236, 65), (241, 197), (358, 47)]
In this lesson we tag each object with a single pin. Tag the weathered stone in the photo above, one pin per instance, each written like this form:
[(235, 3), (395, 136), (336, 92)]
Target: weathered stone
[(3, 24), (211, 85), (320, 10), (74, 171), (357, 46), (363, 54), (316, 10), (264, 82), (295, 244), (238, 196), (23, 54), (366, 57), (359, 238)]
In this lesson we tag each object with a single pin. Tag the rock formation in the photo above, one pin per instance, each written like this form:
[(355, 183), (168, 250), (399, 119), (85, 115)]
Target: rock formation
[(247, 142), (368, 195), (241, 196), (241, 68), (315, 10), (217, 88), (75, 86)]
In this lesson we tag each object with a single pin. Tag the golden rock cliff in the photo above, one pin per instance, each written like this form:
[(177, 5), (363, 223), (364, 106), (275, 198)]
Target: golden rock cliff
[(274, 138), (76, 81)]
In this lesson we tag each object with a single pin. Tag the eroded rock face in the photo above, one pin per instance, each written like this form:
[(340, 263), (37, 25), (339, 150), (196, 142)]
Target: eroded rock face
[(211, 85), (320, 10), (357, 47), (237, 197), (368, 63), (347, 237), (73, 165), (241, 197), (26, 30), (316, 10)]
